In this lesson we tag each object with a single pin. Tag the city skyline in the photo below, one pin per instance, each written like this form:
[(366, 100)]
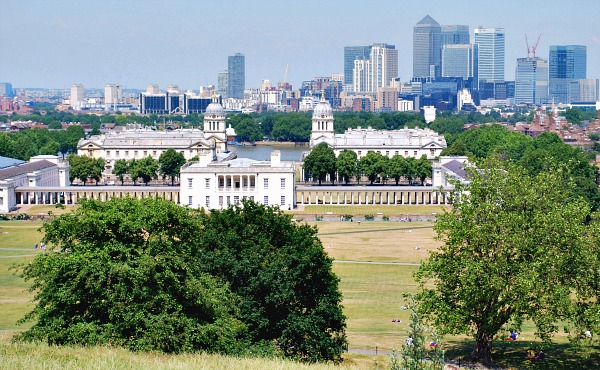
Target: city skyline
[(54, 44)]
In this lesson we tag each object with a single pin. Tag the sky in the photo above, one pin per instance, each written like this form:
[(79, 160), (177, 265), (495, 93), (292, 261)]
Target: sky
[(57, 43)]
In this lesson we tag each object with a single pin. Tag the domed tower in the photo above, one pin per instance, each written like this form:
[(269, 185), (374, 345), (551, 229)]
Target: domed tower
[(322, 122), (214, 124)]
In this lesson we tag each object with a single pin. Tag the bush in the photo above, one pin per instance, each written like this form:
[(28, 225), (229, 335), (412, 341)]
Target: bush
[(385, 218), (347, 217), (59, 206), (22, 216), (369, 217), (4, 217)]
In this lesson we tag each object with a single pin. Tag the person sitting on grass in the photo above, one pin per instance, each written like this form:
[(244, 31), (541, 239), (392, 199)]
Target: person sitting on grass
[(513, 335), (530, 354), (540, 356)]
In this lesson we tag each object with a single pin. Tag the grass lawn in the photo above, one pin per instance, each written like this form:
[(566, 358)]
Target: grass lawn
[(368, 209)]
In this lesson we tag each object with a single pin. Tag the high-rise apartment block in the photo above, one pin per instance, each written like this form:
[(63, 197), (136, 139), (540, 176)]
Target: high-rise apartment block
[(351, 53), (427, 48), (236, 76), (113, 94), (455, 34), (384, 65), (222, 83), (491, 52), (6, 89), (76, 96), (531, 81), (568, 63)]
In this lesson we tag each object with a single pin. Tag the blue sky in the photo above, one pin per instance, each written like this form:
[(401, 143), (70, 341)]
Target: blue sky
[(53, 44)]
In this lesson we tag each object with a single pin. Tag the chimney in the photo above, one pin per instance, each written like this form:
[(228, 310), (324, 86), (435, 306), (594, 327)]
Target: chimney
[(275, 158)]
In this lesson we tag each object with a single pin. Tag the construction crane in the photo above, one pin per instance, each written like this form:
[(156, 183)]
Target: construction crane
[(531, 51)]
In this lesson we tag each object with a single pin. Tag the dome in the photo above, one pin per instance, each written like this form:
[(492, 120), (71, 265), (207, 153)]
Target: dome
[(215, 108), (323, 108)]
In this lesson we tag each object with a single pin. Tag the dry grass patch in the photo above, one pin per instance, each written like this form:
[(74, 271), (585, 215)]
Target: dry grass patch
[(388, 210)]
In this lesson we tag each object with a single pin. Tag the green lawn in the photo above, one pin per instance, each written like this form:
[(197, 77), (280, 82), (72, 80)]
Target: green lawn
[(388, 210)]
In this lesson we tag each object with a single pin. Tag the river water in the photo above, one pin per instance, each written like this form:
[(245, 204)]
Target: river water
[(263, 152)]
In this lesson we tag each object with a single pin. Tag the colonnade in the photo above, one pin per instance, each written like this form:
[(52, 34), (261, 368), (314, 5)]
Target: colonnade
[(311, 195)]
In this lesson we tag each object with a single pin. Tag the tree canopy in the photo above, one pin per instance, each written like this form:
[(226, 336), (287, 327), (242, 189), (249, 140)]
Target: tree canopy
[(517, 246), (320, 162), (170, 163), (150, 275)]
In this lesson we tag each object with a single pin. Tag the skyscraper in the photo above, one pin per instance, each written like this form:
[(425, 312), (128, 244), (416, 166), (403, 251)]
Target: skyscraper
[(361, 75), (458, 60), (6, 89), (455, 34), (491, 44), (236, 76), (112, 95), (567, 63), (427, 48), (531, 81), (351, 53), (384, 65), (76, 96), (222, 84)]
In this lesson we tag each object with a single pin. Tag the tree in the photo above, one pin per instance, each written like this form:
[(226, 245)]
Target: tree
[(573, 116), (346, 164), (120, 169), (291, 127), (289, 294), (397, 167), (424, 168), (246, 128), (320, 162), (144, 168), (372, 165), (170, 163), (126, 278), (515, 248)]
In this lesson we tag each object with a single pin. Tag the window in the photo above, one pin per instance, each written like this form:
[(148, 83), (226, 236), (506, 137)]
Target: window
[(145, 153), (266, 183), (207, 183), (359, 153), (127, 153), (406, 153), (207, 201), (266, 200), (397, 152), (221, 182), (432, 152), (108, 153), (220, 201), (228, 200), (236, 199), (135, 153), (283, 183), (154, 153), (252, 198), (1, 201), (282, 200), (116, 153), (190, 181), (190, 200), (387, 153), (415, 154)]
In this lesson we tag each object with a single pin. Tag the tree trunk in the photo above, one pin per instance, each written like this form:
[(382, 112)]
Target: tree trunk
[(483, 348)]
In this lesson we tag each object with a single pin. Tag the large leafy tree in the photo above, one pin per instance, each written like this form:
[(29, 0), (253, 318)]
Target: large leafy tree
[(396, 167), (320, 162), (515, 248), (84, 168), (246, 127), (145, 169), (120, 169), (125, 277), (289, 294), (346, 164), (424, 168), (291, 127), (170, 163), (372, 165)]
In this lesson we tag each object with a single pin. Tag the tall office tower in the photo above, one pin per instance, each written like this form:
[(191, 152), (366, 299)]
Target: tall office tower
[(152, 89), (6, 89), (455, 34), (351, 53), (458, 60), (222, 85), (567, 63), (491, 44), (427, 48), (531, 81), (583, 90), (384, 65), (236, 76), (112, 95), (76, 96), (362, 75)]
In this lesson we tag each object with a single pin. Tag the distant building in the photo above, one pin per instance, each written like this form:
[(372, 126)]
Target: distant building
[(459, 60), (222, 83), (76, 98), (352, 53), (213, 184), (236, 76), (384, 65), (491, 46), (455, 34), (567, 63), (583, 90), (531, 81), (427, 48), (6, 90), (405, 142), (113, 94)]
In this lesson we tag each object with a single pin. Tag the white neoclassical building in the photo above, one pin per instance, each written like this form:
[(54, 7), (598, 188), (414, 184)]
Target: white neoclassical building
[(40, 172), (140, 143), (216, 184), (405, 142)]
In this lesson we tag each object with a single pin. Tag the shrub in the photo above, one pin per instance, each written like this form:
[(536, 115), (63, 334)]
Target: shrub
[(369, 217), (385, 218), (22, 216), (59, 206)]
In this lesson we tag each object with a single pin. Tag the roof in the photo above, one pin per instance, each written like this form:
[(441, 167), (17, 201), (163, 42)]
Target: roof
[(457, 168), (11, 172), (9, 162), (147, 139), (428, 21), (381, 139)]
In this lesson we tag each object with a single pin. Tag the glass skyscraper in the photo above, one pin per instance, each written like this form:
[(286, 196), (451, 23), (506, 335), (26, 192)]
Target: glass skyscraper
[(351, 53), (459, 60), (531, 81), (455, 34), (491, 44), (427, 48), (567, 64), (236, 76)]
